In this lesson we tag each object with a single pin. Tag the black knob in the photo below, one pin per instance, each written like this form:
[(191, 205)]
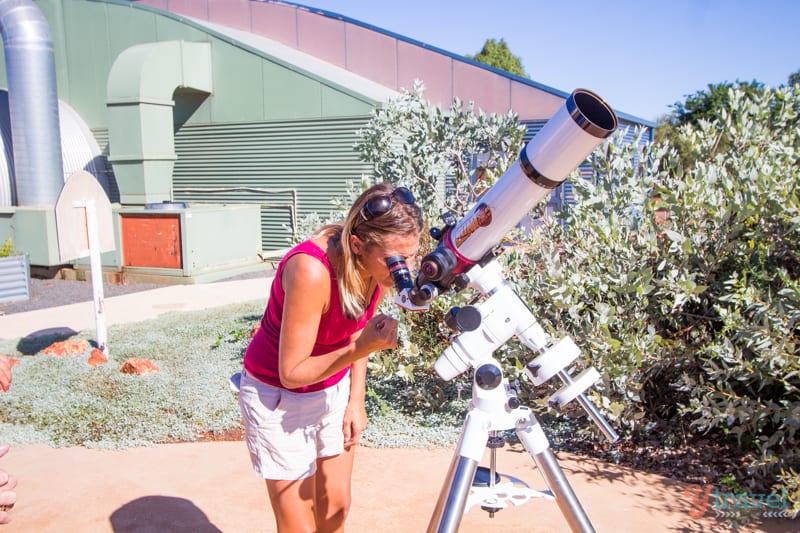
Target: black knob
[(466, 318), (488, 377)]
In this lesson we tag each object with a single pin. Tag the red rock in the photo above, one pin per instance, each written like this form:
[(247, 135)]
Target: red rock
[(97, 357), (69, 347), (140, 367)]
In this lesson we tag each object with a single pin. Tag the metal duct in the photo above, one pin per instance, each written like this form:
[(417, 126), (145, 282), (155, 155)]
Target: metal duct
[(139, 96), (33, 103)]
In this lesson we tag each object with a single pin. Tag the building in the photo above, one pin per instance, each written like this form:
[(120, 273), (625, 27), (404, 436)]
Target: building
[(212, 125)]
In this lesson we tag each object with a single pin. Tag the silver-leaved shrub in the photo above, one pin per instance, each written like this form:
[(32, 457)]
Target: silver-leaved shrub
[(681, 284)]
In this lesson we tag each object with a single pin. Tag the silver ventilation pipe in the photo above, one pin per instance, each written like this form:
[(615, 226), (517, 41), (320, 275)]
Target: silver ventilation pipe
[(33, 103)]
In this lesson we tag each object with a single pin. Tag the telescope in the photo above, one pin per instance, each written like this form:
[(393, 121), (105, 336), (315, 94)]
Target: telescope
[(465, 258), (564, 142)]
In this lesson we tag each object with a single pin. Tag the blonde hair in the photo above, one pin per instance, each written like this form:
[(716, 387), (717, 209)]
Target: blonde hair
[(401, 220)]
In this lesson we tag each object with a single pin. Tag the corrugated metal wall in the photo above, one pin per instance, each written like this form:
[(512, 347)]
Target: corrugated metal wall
[(291, 168), (15, 278), (101, 136)]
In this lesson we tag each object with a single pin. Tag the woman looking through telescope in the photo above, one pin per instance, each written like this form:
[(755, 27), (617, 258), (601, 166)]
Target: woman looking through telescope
[(303, 386)]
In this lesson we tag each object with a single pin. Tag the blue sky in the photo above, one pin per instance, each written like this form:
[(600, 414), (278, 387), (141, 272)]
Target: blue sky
[(639, 55)]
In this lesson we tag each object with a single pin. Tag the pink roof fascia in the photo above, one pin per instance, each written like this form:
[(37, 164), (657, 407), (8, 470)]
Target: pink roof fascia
[(381, 57), (492, 93), (321, 37), (532, 104), (187, 8), (372, 55), (276, 21), (433, 69), (231, 13)]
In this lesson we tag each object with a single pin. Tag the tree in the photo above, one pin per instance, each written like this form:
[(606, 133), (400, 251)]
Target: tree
[(794, 78), (702, 106), (497, 54), (707, 105)]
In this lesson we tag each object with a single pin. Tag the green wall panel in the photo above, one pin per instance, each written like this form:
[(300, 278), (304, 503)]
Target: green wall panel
[(303, 101), (237, 76), (126, 27), (88, 35)]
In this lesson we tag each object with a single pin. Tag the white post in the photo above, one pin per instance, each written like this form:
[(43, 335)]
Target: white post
[(97, 274)]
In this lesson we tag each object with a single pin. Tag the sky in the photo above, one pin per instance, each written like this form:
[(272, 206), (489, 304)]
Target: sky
[(641, 56)]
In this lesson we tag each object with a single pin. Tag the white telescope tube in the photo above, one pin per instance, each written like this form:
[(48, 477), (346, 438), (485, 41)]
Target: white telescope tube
[(565, 141)]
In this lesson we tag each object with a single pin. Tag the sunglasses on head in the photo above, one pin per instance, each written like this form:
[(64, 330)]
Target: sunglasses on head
[(382, 203)]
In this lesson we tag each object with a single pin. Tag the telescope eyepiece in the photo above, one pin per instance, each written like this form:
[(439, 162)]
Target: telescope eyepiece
[(400, 273)]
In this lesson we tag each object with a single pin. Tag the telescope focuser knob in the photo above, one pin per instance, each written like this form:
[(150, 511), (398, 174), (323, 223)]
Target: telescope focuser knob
[(462, 319), (461, 282), (436, 233)]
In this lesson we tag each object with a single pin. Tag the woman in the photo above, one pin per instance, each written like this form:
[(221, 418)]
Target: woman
[(303, 385)]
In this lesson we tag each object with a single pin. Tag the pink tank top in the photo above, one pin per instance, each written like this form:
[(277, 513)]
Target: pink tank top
[(261, 357)]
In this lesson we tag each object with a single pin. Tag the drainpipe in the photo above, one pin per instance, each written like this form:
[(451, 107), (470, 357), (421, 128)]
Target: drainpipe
[(33, 104)]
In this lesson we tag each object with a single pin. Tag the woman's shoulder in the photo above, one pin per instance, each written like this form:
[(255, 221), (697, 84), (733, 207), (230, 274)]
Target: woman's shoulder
[(311, 247), (307, 269)]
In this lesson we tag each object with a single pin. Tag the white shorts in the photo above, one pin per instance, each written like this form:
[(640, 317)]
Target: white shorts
[(287, 432)]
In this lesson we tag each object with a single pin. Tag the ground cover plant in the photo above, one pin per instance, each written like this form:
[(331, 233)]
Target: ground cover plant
[(63, 401)]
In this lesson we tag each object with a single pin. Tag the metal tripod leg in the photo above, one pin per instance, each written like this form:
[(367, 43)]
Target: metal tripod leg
[(536, 444), (565, 498), (452, 499)]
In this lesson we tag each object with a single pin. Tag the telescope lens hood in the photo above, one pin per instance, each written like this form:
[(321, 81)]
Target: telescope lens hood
[(591, 113)]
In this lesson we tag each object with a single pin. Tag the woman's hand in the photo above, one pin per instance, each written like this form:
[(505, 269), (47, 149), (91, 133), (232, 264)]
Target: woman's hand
[(355, 420), (380, 333)]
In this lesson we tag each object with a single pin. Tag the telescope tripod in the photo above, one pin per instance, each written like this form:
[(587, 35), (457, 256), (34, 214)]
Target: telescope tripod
[(495, 406), (493, 410)]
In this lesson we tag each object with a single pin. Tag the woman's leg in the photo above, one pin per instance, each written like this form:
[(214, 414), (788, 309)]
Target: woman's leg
[(333, 490), (293, 504)]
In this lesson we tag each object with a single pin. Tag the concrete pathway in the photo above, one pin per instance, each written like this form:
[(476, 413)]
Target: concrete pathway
[(135, 307)]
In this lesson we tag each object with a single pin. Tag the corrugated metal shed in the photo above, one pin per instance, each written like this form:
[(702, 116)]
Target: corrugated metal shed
[(291, 168)]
